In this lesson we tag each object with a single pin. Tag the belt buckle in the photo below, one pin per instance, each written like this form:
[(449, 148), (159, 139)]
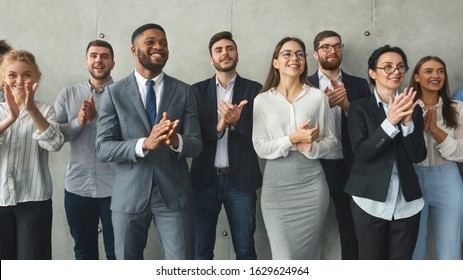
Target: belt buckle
[(221, 171)]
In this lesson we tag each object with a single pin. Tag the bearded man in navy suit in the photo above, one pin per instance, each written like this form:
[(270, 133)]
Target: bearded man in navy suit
[(341, 89)]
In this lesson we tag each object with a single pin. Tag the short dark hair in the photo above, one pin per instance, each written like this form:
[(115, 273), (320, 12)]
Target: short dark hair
[(219, 36), (145, 27), (100, 43), (322, 35), (4, 47), (373, 60)]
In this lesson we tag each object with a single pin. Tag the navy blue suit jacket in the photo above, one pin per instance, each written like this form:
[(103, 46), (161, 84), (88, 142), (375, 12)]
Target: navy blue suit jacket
[(244, 168), (356, 88)]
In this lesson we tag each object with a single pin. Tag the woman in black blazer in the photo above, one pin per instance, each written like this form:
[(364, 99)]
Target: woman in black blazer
[(386, 133)]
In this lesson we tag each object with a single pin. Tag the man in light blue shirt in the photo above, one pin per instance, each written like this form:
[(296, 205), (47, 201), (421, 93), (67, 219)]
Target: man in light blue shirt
[(88, 185)]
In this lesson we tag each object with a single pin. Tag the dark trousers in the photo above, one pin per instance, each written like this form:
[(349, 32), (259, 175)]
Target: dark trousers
[(381, 239), (25, 231), (83, 215), (240, 207), (336, 176)]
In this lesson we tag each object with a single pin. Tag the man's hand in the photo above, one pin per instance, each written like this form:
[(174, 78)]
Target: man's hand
[(230, 113), (337, 96), (87, 111)]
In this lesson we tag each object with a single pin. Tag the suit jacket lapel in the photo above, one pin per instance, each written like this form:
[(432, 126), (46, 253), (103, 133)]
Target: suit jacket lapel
[(212, 98), (378, 110), (238, 91), (134, 96), (168, 92)]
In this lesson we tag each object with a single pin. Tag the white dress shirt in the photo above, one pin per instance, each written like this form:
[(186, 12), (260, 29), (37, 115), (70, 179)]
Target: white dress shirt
[(275, 119), (225, 94), (336, 112)]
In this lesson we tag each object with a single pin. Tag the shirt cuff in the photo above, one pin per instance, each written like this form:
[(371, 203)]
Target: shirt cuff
[(180, 144), (139, 148), (389, 128), (407, 130)]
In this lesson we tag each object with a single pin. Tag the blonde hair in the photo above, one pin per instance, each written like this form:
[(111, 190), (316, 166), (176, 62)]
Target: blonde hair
[(19, 55)]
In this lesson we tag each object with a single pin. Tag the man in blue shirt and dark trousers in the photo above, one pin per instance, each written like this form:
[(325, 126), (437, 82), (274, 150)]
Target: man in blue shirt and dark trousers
[(88, 185)]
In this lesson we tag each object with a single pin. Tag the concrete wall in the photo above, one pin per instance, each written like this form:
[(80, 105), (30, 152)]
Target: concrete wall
[(57, 32)]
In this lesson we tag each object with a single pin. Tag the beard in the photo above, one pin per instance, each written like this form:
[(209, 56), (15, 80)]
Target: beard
[(225, 69), (101, 76), (145, 61), (325, 64)]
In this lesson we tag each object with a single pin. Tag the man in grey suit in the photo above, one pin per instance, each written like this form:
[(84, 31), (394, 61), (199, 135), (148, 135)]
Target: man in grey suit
[(150, 149)]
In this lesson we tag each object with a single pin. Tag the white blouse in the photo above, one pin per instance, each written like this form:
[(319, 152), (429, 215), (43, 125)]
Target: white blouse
[(451, 149), (274, 119)]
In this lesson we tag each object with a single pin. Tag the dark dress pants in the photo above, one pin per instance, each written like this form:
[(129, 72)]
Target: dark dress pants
[(336, 176), (381, 239)]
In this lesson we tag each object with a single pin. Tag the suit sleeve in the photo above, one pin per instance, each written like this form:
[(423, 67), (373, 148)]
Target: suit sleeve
[(191, 131), (414, 142), (367, 141), (110, 146)]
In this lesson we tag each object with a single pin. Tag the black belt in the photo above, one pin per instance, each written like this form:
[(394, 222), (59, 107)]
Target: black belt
[(222, 171)]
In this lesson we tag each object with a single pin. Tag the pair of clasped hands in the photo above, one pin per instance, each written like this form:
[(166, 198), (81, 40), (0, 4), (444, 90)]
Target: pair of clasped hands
[(162, 132), (229, 114), (304, 135)]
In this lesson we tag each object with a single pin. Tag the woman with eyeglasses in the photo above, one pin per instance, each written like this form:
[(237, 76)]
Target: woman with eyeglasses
[(28, 131), (386, 133), (292, 129), (439, 176)]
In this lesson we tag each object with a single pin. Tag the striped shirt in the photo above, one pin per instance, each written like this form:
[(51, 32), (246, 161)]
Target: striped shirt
[(24, 171)]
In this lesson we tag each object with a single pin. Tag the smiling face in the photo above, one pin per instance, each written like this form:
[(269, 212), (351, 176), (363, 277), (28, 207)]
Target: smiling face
[(151, 50), (224, 56), (18, 74), (386, 81), (99, 62), (431, 76), (287, 62), (330, 60)]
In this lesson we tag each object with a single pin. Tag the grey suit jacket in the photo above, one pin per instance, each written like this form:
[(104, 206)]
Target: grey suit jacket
[(122, 121)]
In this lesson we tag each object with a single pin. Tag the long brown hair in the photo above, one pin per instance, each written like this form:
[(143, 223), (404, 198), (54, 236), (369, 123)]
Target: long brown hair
[(449, 113), (273, 77)]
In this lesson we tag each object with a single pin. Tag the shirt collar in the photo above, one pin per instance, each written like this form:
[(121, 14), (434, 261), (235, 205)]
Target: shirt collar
[(378, 99), (142, 80), (230, 83), (90, 87), (323, 76)]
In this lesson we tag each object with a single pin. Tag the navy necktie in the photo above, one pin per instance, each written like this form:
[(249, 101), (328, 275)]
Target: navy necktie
[(150, 102)]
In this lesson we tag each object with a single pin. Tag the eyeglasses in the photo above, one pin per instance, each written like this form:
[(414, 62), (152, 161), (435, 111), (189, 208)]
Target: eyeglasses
[(327, 47), (300, 55), (389, 69)]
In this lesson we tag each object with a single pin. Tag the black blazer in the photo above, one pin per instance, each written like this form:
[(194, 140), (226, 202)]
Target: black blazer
[(243, 163), (375, 152), (356, 88)]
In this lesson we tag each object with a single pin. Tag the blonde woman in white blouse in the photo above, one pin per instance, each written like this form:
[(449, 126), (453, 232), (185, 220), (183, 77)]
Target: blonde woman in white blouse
[(27, 132), (438, 174), (292, 129)]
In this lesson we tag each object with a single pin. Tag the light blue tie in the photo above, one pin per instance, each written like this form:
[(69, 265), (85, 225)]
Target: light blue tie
[(150, 102)]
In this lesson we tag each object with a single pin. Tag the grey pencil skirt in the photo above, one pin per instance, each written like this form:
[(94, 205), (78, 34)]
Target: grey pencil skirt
[(294, 202)]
